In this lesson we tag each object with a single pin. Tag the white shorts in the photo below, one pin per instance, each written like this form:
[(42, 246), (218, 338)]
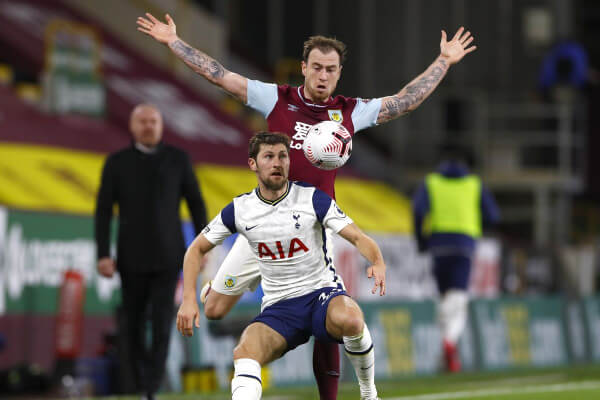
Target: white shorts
[(239, 271)]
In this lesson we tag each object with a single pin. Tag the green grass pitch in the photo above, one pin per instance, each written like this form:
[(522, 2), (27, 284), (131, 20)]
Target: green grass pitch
[(569, 383)]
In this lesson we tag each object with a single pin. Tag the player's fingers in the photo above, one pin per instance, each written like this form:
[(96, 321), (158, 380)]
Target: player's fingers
[(197, 320), (146, 31), (382, 289), (187, 326), (444, 37), (374, 290), (470, 49), (169, 20), (142, 21), (468, 42), (465, 37), (152, 18), (144, 25), (369, 272), (178, 324), (458, 33)]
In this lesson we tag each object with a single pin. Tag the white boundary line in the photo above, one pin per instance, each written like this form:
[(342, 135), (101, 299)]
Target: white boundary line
[(559, 387)]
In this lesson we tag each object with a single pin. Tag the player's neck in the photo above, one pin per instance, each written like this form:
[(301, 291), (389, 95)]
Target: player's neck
[(272, 195), (308, 97)]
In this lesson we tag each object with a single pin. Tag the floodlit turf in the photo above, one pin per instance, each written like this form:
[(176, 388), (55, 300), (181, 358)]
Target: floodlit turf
[(574, 383)]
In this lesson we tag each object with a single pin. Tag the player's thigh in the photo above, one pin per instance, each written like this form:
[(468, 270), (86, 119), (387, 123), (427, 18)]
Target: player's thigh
[(260, 342), (344, 317), (239, 271)]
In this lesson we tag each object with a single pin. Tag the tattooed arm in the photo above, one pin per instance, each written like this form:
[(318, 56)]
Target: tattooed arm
[(201, 63), (413, 94)]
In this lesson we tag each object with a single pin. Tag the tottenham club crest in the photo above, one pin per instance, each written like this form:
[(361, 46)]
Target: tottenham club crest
[(296, 217), (336, 116)]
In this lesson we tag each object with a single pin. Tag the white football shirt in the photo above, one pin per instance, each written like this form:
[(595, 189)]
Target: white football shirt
[(287, 237)]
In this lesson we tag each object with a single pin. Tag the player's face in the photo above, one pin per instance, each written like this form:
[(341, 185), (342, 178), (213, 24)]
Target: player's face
[(272, 166), (146, 125), (321, 74)]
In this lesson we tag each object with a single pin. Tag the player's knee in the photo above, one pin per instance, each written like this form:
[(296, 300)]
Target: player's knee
[(240, 351), (353, 325)]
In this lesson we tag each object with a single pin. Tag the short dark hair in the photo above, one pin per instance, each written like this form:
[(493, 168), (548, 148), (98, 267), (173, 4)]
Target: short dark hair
[(269, 138), (325, 44)]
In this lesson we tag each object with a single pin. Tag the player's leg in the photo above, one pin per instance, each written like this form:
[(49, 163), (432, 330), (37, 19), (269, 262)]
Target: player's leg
[(452, 274), (258, 346), (344, 321), (326, 355), (326, 367), (238, 273)]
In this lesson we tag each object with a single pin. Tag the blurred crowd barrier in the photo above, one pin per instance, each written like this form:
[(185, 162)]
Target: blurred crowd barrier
[(503, 333)]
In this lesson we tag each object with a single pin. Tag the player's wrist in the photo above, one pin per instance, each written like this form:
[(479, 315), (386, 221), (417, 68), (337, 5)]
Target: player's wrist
[(172, 40), (444, 58), (189, 296)]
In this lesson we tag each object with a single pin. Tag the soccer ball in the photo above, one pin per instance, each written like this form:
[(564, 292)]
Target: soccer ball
[(327, 145)]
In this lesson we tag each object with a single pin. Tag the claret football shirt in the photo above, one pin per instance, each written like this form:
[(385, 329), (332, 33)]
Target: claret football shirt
[(287, 111)]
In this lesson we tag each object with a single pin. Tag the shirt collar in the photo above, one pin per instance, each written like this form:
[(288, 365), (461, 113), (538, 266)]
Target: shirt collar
[(277, 200)]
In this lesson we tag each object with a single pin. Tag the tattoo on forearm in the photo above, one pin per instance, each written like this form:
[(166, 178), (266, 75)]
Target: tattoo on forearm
[(200, 62), (400, 104)]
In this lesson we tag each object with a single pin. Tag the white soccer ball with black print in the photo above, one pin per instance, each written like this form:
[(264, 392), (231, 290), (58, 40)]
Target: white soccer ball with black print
[(327, 145)]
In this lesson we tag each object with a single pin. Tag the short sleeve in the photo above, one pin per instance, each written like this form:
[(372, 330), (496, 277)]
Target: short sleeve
[(336, 219), (262, 96), (328, 213), (222, 226), (365, 113)]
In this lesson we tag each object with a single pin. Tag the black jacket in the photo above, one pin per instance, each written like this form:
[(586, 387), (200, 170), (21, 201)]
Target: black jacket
[(147, 189)]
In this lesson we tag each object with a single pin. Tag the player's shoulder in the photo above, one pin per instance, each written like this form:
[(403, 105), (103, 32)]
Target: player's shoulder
[(344, 100), (244, 199), (314, 192)]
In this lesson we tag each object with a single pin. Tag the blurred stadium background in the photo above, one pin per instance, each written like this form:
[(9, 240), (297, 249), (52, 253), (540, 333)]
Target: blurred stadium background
[(524, 105)]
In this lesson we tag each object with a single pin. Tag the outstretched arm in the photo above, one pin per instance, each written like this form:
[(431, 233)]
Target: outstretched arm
[(369, 249), (413, 94), (202, 64)]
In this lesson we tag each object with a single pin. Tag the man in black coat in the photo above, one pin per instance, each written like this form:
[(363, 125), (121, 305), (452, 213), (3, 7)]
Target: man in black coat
[(147, 181)]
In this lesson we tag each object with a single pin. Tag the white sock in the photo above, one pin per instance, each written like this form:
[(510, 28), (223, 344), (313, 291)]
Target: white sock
[(359, 350), (246, 383), (453, 314)]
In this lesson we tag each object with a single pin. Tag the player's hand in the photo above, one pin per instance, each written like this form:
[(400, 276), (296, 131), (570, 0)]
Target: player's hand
[(164, 33), (377, 271), (188, 316), (454, 50), (106, 267)]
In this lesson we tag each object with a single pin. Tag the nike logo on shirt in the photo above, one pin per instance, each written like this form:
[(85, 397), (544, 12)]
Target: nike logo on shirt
[(251, 227)]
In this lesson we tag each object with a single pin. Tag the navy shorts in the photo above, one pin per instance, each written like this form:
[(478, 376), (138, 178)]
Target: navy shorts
[(452, 272), (298, 318)]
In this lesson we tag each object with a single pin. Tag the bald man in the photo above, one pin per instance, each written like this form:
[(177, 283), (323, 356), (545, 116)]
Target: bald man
[(147, 181)]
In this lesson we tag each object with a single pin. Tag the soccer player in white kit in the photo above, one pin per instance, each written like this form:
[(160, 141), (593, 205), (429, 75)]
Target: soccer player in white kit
[(284, 223)]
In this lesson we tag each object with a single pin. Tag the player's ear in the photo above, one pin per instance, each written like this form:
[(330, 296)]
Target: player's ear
[(304, 66), (252, 164)]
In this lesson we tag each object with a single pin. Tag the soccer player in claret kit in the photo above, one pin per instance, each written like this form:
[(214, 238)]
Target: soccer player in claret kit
[(284, 224), (292, 110)]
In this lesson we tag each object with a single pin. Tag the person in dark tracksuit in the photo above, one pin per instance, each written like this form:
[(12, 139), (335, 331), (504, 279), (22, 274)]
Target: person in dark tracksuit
[(449, 209), (147, 181)]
